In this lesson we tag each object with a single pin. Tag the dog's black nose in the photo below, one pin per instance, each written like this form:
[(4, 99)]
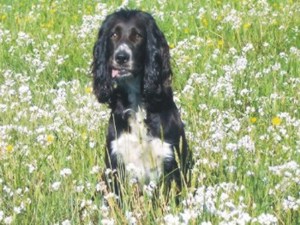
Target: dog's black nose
[(122, 57)]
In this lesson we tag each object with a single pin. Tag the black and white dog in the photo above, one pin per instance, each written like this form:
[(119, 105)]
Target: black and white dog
[(132, 74)]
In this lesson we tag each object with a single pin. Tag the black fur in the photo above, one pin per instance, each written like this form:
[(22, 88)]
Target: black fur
[(151, 63)]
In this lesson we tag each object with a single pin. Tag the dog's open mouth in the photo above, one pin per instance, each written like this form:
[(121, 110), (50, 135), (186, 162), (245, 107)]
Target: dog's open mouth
[(115, 73)]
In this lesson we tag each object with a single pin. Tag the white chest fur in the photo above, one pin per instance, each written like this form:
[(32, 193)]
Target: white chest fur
[(142, 155)]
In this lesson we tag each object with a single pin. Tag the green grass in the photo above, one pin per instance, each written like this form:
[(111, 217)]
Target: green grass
[(236, 78)]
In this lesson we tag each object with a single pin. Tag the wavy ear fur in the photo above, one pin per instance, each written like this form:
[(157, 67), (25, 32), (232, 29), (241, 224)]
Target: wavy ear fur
[(157, 78), (102, 80)]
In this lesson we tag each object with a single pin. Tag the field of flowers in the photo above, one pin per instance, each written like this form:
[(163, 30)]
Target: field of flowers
[(236, 78)]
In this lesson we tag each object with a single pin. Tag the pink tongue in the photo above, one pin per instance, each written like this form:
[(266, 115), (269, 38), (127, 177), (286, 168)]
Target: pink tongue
[(114, 73)]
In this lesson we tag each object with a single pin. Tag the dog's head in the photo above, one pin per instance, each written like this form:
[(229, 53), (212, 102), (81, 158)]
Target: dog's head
[(127, 43), (130, 44)]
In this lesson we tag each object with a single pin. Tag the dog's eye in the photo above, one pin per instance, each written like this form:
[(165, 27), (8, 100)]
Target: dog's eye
[(138, 36), (114, 36)]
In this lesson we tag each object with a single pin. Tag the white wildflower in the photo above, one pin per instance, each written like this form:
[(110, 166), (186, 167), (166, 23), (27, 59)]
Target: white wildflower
[(267, 219), (130, 218), (241, 64), (1, 215), (171, 219), (295, 51), (232, 51), (92, 144), (231, 147), (276, 67), (55, 186), (187, 215), (18, 209), (24, 93), (24, 89), (150, 188), (248, 47), (291, 203), (233, 18), (66, 222), (31, 168), (246, 143), (79, 188), (107, 222), (24, 39), (101, 186), (8, 220), (65, 172), (95, 170), (201, 12), (289, 166), (206, 223)]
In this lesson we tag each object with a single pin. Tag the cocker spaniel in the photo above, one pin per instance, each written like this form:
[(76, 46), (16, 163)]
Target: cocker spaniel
[(132, 74)]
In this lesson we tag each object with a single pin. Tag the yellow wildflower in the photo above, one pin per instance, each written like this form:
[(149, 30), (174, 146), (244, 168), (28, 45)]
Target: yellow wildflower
[(48, 25), (171, 46), (276, 121), (50, 138), (89, 9), (220, 43), (246, 26), (253, 119), (3, 17), (88, 90), (204, 22), (84, 135), (9, 148)]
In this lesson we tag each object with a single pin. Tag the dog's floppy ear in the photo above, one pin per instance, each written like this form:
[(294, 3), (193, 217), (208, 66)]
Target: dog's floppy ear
[(100, 68), (157, 64)]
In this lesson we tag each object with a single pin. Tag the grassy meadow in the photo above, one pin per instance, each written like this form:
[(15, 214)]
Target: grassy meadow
[(236, 80)]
